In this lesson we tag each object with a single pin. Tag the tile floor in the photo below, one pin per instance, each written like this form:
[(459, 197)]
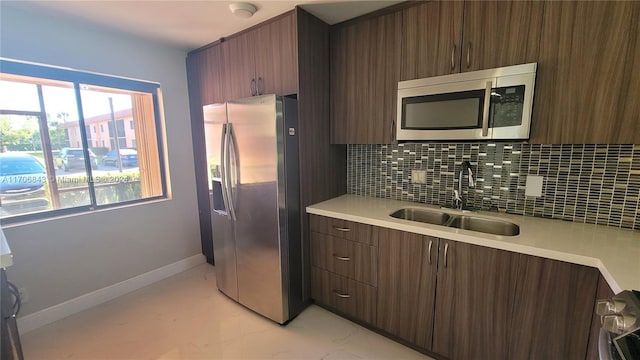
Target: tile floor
[(186, 317)]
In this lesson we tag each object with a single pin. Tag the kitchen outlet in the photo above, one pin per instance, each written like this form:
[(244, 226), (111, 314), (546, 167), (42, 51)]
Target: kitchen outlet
[(24, 295), (419, 176), (534, 186)]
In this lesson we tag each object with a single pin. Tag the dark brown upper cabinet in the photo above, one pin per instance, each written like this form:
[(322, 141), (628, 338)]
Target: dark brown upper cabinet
[(205, 77), (276, 57), (431, 39), (586, 52), (443, 37), (262, 61), (370, 55), (588, 79), (365, 69), (500, 33), (239, 66)]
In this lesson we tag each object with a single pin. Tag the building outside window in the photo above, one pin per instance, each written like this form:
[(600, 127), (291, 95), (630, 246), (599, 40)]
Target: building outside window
[(87, 131), (51, 162), (126, 136)]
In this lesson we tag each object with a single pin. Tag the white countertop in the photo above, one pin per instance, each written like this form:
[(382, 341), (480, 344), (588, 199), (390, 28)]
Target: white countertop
[(6, 258), (615, 251)]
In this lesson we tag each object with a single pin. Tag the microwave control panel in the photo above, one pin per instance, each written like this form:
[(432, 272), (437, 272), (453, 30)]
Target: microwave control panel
[(507, 106)]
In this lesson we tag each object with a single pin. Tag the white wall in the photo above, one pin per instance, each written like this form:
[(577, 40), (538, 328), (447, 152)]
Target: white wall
[(57, 260)]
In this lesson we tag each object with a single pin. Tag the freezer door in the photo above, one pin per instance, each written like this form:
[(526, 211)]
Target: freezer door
[(255, 160), (224, 253)]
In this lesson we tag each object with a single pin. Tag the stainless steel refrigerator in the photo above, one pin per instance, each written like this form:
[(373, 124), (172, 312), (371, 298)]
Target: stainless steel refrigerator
[(252, 158)]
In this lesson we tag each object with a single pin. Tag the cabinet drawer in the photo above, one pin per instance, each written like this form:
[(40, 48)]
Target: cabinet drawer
[(350, 259), (344, 229), (346, 296)]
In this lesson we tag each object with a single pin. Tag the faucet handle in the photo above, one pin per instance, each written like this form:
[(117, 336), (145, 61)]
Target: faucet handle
[(466, 165)]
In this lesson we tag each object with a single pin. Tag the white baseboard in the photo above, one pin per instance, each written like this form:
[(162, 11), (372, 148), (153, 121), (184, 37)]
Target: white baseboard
[(54, 313)]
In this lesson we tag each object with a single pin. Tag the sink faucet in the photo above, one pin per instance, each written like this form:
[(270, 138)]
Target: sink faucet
[(457, 194)]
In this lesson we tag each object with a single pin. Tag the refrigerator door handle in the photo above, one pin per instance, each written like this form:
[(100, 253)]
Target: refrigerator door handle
[(230, 149), (223, 168)]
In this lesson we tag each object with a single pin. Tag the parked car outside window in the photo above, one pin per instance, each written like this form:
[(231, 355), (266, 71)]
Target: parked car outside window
[(70, 158), (22, 184), (129, 157)]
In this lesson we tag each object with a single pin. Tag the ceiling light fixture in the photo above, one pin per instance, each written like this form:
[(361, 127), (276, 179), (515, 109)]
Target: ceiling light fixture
[(243, 10)]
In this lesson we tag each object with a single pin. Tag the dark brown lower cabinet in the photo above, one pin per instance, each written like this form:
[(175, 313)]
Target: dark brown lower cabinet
[(465, 315), (407, 266), (463, 301), (552, 311), (346, 296), (474, 290), (474, 302), (347, 258)]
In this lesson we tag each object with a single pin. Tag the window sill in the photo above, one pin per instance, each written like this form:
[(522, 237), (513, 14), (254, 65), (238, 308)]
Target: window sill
[(83, 213)]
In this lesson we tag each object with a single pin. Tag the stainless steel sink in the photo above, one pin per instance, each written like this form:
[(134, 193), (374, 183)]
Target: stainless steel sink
[(466, 222), (490, 226), (422, 215)]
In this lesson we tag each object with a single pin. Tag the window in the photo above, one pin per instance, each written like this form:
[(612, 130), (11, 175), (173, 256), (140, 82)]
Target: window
[(48, 162)]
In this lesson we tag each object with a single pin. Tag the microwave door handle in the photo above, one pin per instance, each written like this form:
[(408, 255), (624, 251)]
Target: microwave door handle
[(485, 113)]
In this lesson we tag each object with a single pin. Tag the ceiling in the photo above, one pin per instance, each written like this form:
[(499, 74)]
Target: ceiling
[(188, 24)]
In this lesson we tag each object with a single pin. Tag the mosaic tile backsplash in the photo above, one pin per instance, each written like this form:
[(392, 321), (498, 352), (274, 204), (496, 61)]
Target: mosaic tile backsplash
[(598, 184)]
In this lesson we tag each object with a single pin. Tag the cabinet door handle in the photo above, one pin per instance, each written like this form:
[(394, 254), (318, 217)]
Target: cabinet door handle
[(393, 128), (342, 229), (253, 87), (469, 55), (453, 57), (338, 294), (343, 258), (446, 252), (430, 244), (259, 86)]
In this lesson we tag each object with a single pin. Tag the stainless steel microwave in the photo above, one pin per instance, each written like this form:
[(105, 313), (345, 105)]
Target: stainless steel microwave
[(478, 105)]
